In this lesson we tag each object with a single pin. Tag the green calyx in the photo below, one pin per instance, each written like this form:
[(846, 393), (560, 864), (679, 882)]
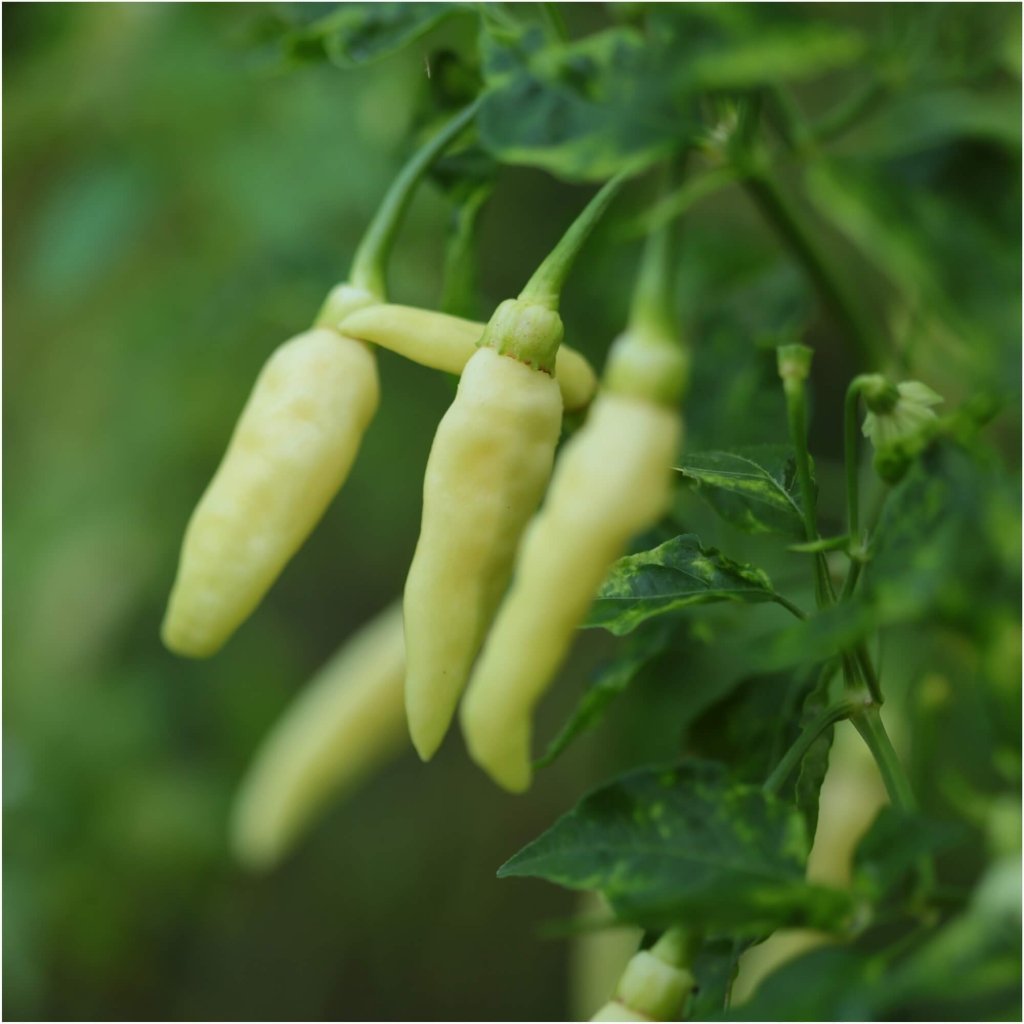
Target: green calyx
[(880, 395), (648, 365), (529, 328), (526, 331)]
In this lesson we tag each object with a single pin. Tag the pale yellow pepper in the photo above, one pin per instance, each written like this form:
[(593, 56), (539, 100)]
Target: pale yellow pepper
[(291, 450), (489, 464), (612, 480), (488, 467), (347, 722)]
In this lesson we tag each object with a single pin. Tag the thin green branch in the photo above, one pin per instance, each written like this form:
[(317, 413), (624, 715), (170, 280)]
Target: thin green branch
[(545, 286), (868, 723), (850, 454), (804, 742), (793, 609), (369, 265)]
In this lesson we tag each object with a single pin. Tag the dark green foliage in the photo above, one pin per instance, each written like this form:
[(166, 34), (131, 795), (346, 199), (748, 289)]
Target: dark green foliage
[(685, 844)]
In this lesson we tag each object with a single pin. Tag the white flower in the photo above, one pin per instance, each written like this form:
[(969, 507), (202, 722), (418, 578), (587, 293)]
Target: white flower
[(903, 419)]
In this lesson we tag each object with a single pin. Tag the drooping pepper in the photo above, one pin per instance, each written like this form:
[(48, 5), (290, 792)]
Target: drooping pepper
[(349, 719), (612, 481), (289, 455), (488, 466), (293, 446)]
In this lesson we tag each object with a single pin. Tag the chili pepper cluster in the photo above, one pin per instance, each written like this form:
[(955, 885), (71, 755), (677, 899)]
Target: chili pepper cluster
[(513, 544)]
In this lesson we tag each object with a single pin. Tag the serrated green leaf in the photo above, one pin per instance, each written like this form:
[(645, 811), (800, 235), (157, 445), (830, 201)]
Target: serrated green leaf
[(643, 647), (754, 489), (672, 576), (684, 843)]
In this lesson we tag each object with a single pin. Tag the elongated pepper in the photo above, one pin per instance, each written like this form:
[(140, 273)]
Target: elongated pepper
[(488, 467), (613, 480), (291, 450), (349, 719), (489, 464)]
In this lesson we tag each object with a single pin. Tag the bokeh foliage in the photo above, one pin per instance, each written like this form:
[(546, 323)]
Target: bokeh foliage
[(184, 184)]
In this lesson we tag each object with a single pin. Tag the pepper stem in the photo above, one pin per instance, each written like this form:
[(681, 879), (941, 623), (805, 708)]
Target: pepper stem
[(650, 359), (369, 265), (545, 286)]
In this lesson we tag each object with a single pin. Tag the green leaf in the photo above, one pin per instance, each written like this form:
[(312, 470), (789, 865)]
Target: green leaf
[(684, 843), (357, 33), (643, 647), (572, 109), (754, 489), (675, 575)]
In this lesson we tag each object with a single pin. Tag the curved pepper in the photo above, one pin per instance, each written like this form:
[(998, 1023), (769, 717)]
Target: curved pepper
[(348, 720), (487, 470), (612, 480), (447, 343), (291, 451)]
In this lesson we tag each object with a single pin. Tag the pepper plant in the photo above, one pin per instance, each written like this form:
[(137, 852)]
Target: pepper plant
[(721, 523), (878, 496)]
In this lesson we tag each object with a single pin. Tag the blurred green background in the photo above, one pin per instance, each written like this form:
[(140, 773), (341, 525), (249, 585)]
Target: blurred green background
[(174, 211)]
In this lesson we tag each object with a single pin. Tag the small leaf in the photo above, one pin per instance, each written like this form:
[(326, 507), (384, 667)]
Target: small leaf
[(754, 489), (643, 647), (674, 575), (685, 843)]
